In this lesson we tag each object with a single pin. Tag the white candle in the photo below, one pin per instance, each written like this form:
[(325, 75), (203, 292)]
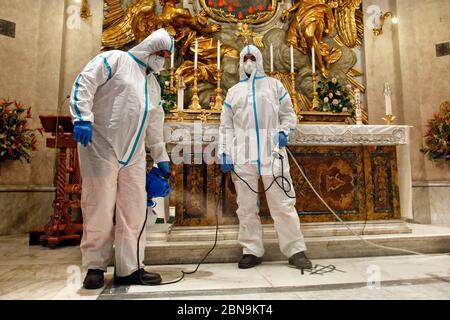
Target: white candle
[(172, 58), (313, 54), (271, 57), (388, 104), (218, 55), (357, 97), (196, 54), (292, 59), (387, 98)]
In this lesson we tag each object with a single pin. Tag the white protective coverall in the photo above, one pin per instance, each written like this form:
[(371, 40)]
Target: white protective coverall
[(124, 105), (254, 111)]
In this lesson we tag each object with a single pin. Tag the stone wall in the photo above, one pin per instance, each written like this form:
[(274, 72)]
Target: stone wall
[(405, 56), (38, 68)]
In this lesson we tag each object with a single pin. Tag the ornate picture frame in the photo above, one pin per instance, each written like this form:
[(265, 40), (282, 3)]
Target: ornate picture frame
[(234, 11)]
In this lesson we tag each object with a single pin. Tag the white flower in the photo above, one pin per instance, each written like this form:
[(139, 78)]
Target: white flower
[(326, 100), (338, 93), (335, 102), (330, 95), (166, 83), (348, 86), (334, 80)]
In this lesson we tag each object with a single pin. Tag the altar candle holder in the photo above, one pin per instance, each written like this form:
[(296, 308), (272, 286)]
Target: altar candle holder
[(178, 112), (219, 99), (389, 119), (172, 87), (315, 101), (195, 104)]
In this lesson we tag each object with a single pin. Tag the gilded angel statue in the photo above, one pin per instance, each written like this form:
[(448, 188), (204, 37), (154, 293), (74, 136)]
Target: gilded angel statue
[(185, 28), (315, 19), (139, 20)]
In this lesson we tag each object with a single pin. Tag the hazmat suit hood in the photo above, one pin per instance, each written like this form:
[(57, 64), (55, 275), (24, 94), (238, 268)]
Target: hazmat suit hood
[(259, 71), (157, 41)]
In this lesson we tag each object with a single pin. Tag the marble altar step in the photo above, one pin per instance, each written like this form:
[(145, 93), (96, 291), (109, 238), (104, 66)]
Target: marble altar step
[(311, 229), (162, 249)]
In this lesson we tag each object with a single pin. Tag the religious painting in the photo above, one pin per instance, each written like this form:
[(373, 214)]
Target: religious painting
[(246, 11)]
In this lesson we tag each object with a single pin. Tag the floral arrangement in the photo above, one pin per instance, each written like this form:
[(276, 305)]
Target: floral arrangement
[(438, 134), (168, 98), (334, 97), (15, 138)]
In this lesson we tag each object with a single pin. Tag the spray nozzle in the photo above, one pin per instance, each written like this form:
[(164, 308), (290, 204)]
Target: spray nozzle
[(276, 153)]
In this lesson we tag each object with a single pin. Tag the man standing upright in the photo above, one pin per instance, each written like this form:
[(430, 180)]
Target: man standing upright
[(116, 108), (257, 115)]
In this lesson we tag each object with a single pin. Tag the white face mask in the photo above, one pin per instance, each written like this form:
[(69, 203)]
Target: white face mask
[(156, 63), (249, 66)]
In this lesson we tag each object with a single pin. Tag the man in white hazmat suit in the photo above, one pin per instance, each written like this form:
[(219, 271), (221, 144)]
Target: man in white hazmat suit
[(116, 109), (256, 119)]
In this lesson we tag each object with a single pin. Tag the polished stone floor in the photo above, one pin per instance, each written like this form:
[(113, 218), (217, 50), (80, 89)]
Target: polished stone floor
[(41, 273)]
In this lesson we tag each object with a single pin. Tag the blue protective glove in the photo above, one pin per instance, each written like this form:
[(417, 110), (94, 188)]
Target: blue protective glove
[(82, 132), (282, 139), (226, 164), (164, 167), (156, 185)]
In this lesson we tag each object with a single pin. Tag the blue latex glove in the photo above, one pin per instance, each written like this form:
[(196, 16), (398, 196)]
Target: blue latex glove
[(226, 164), (164, 167), (156, 185), (282, 139), (82, 132)]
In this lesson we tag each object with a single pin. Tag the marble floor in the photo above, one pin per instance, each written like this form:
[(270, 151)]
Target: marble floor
[(41, 273)]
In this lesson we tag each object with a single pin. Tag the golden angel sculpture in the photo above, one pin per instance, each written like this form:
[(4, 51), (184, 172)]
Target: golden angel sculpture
[(315, 19), (139, 20)]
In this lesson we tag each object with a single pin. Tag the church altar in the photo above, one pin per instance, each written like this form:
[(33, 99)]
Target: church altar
[(354, 168)]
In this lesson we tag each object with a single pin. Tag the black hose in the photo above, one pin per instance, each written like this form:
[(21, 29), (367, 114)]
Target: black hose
[(183, 273)]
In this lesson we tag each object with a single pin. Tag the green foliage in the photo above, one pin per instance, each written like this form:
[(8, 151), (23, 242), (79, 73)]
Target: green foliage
[(168, 98), (438, 134), (333, 96), (15, 138)]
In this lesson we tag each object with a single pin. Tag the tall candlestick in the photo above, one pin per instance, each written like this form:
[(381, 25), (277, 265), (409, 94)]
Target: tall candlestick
[(219, 99), (180, 96), (271, 58), (196, 54), (218, 55), (292, 59), (313, 54), (195, 104)]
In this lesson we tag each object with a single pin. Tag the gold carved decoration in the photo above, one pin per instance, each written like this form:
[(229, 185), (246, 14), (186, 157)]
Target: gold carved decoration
[(244, 31), (117, 24), (311, 22), (84, 10), (349, 22)]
